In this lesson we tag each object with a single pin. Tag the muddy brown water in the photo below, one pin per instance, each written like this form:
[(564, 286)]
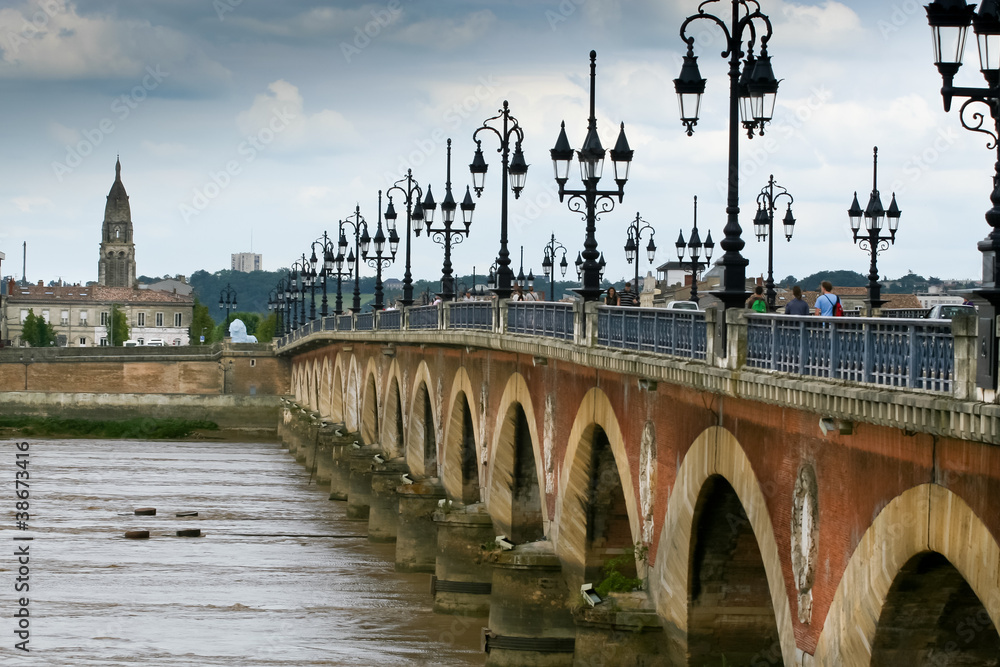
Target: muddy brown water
[(276, 578)]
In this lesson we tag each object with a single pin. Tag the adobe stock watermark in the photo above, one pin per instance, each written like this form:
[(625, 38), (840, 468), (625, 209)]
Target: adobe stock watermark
[(247, 150), (34, 25), (780, 130), (917, 165), (223, 7), (363, 35), (452, 119), (121, 108), (899, 16)]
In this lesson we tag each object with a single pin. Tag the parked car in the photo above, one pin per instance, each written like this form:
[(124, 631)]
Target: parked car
[(131, 343), (946, 311), (682, 305), (155, 342)]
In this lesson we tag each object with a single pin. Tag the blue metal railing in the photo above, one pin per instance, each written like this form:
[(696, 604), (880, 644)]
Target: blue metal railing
[(329, 324), (424, 317), (540, 318), (471, 315), (365, 322), (677, 332), (906, 313), (345, 322), (917, 354), (390, 319)]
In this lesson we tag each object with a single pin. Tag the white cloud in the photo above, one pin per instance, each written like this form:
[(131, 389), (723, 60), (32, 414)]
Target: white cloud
[(446, 34), (168, 149), (282, 110), (29, 204), (64, 135)]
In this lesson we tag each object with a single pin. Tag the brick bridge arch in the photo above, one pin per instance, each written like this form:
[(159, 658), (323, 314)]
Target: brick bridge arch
[(391, 428), (369, 422), (422, 454), (925, 518), (594, 415), (515, 414), (461, 470), (352, 396), (715, 453), (337, 391)]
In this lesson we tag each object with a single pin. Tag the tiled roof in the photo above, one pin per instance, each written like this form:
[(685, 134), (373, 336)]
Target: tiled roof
[(98, 293)]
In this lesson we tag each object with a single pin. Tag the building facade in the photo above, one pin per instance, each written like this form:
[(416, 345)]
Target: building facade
[(80, 314), (247, 262), (116, 266)]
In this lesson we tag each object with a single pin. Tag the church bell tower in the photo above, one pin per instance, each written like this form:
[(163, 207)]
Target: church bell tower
[(116, 266)]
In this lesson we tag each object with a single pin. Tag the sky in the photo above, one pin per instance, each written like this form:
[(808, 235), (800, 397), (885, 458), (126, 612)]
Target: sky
[(256, 124)]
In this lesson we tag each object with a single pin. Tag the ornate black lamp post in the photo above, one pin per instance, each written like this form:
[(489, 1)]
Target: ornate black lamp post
[(380, 259), (949, 21), (337, 269), (491, 277), (300, 271), (694, 247), (872, 239), (325, 269), (763, 226), (227, 301), (549, 264), (516, 169), (446, 235), (359, 226), (273, 300), (414, 217), (635, 230), (752, 92), (586, 201)]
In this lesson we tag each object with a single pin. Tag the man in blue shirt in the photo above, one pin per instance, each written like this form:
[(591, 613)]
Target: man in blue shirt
[(827, 300)]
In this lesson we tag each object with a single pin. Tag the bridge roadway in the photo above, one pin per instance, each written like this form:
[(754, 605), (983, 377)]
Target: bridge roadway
[(784, 518)]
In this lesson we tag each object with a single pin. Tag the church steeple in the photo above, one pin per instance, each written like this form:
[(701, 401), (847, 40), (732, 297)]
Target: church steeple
[(116, 266)]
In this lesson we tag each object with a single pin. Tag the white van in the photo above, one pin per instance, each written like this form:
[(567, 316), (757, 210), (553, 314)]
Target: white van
[(131, 343), (155, 342)]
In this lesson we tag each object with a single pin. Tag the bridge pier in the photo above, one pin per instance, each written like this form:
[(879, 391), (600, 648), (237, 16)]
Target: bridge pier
[(623, 630), (530, 620), (340, 466), (360, 482), (323, 464), (416, 537), (463, 573), (383, 517)]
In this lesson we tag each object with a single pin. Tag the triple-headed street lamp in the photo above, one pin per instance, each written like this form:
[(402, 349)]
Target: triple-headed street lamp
[(752, 91), (525, 282), (517, 171), (446, 235), (694, 246), (359, 226), (763, 226), (276, 303), (325, 269), (635, 230), (950, 21), (381, 259), (872, 239), (549, 264), (586, 201), (411, 193)]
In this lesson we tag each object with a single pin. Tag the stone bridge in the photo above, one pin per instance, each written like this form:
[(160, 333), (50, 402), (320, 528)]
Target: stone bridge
[(788, 517)]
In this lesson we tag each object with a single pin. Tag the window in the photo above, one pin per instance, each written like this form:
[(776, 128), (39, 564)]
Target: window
[(24, 315), (141, 341), (177, 319), (64, 317), (104, 342), (83, 342), (159, 319), (45, 316), (104, 319), (253, 362), (140, 320), (83, 318)]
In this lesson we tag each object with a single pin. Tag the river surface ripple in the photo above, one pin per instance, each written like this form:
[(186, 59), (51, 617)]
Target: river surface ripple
[(273, 580)]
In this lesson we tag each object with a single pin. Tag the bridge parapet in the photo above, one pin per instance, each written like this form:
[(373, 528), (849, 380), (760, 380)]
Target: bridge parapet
[(918, 375)]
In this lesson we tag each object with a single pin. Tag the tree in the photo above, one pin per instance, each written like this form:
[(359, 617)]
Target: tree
[(266, 329), (201, 325), (117, 327), (36, 332)]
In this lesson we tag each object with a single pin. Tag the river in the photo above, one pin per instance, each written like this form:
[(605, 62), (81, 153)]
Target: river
[(279, 577)]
